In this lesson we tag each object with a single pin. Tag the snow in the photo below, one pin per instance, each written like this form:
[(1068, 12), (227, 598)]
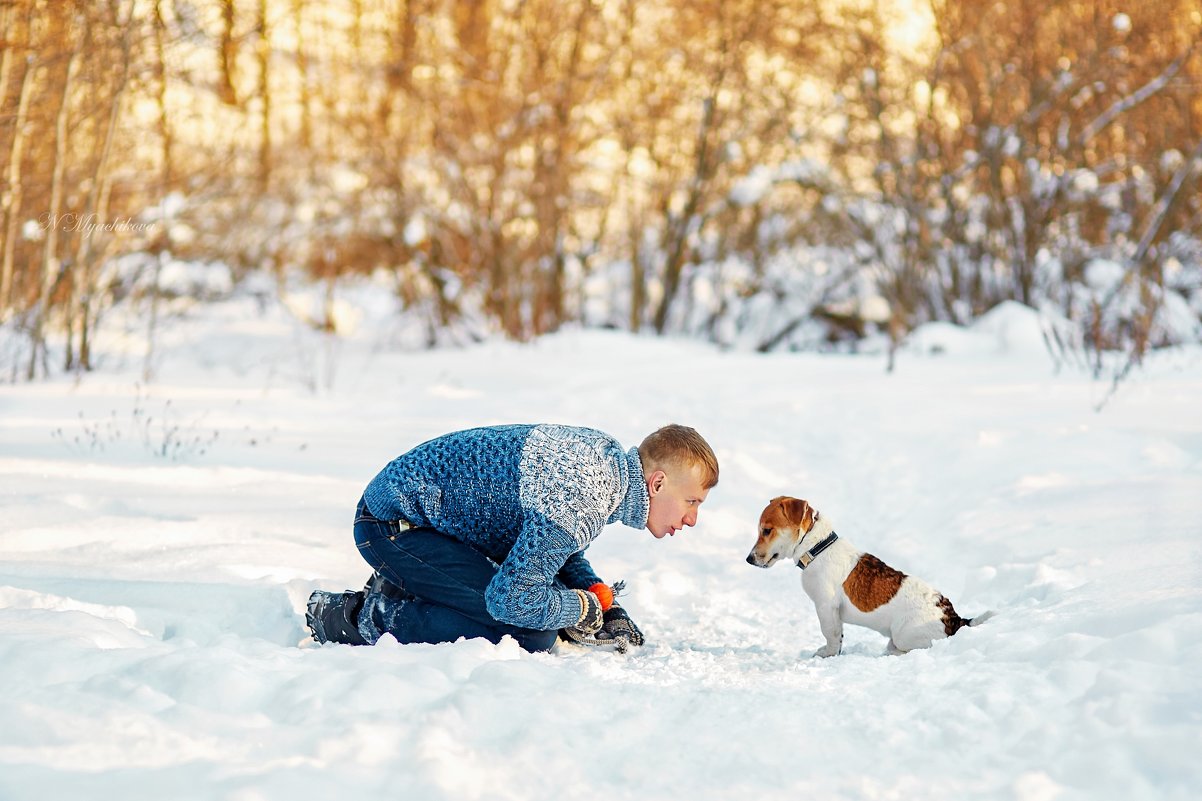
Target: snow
[(158, 542), (1103, 275), (751, 188), (1008, 330)]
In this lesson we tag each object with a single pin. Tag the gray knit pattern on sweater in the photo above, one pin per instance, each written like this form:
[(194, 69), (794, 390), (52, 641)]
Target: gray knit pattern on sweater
[(530, 497)]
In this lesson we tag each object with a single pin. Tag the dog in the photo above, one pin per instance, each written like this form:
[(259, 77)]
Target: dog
[(848, 585)]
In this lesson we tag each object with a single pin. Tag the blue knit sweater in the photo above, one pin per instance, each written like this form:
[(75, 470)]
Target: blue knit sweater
[(530, 497)]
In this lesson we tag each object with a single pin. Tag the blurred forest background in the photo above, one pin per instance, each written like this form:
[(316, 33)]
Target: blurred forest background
[(764, 174)]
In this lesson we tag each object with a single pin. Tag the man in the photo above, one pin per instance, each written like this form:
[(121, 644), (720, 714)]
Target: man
[(482, 533)]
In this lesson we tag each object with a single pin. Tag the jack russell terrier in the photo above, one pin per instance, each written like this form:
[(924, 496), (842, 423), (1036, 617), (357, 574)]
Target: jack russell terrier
[(848, 585)]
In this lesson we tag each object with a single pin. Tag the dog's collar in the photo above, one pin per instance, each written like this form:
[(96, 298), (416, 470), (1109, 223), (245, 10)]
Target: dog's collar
[(809, 556)]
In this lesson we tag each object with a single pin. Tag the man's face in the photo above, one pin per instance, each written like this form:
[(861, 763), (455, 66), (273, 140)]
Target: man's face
[(675, 496)]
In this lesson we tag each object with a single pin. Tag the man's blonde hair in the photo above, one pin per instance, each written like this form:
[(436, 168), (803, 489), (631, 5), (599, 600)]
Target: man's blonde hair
[(679, 446)]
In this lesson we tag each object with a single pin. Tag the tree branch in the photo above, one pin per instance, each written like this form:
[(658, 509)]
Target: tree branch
[(1131, 101)]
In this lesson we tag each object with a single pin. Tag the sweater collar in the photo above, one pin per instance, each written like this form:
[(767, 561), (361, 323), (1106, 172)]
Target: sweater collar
[(636, 503)]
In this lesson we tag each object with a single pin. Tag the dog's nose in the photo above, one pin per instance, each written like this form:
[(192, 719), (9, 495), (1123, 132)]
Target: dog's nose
[(750, 559)]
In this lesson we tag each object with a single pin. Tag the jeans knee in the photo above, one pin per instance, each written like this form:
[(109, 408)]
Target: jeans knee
[(537, 641)]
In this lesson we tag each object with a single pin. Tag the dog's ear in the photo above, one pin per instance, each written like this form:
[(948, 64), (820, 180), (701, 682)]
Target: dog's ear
[(799, 512)]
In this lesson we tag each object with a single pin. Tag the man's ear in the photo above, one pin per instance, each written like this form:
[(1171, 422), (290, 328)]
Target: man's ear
[(655, 482)]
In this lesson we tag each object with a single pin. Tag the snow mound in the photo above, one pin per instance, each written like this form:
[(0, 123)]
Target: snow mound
[(1008, 329)]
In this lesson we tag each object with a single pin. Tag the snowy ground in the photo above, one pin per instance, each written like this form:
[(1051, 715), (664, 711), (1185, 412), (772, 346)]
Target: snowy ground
[(158, 541)]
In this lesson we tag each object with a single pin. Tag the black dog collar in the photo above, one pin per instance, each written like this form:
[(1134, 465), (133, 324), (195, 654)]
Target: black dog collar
[(812, 554)]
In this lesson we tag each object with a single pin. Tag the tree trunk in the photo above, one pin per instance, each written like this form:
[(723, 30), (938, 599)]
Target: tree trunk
[(165, 133), (401, 46), (166, 137), (302, 66), (228, 55), (15, 189), (680, 233), (263, 54), (554, 169), (50, 258), (10, 46), (638, 276), (98, 202)]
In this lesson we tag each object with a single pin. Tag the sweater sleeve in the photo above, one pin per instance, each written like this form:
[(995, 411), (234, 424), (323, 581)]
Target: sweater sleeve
[(577, 573), (568, 488), (524, 593)]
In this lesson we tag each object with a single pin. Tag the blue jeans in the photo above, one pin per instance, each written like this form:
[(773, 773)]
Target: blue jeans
[(444, 581)]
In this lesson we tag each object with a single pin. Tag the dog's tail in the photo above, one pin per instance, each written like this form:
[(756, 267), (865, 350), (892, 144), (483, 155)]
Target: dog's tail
[(979, 619), (952, 622)]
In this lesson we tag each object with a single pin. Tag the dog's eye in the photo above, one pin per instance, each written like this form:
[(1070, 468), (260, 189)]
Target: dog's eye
[(765, 532)]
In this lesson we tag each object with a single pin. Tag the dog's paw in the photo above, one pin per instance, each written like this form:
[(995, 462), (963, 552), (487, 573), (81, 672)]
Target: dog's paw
[(828, 650)]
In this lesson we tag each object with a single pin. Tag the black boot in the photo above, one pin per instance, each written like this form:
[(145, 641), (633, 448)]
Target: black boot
[(378, 584), (334, 617), (383, 603)]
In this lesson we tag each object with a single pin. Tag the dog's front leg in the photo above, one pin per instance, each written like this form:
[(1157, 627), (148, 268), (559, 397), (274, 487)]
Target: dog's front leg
[(832, 629)]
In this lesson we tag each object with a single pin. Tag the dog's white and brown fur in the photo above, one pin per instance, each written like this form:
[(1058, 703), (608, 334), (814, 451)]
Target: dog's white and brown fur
[(848, 585)]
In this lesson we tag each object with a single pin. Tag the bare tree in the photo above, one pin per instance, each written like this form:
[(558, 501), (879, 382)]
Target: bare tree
[(14, 193), (227, 56), (74, 31), (82, 306), (263, 59)]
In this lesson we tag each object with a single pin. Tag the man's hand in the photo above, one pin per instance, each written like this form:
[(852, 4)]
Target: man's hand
[(618, 627), (591, 614), (602, 622), (617, 633)]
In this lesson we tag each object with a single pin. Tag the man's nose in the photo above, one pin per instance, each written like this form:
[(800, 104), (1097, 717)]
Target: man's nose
[(690, 518)]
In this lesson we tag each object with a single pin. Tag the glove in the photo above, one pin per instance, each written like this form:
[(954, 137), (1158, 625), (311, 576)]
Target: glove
[(591, 614), (619, 628), (618, 633)]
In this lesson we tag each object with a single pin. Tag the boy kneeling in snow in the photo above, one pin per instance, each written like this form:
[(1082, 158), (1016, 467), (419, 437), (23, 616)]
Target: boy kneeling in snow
[(482, 533)]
